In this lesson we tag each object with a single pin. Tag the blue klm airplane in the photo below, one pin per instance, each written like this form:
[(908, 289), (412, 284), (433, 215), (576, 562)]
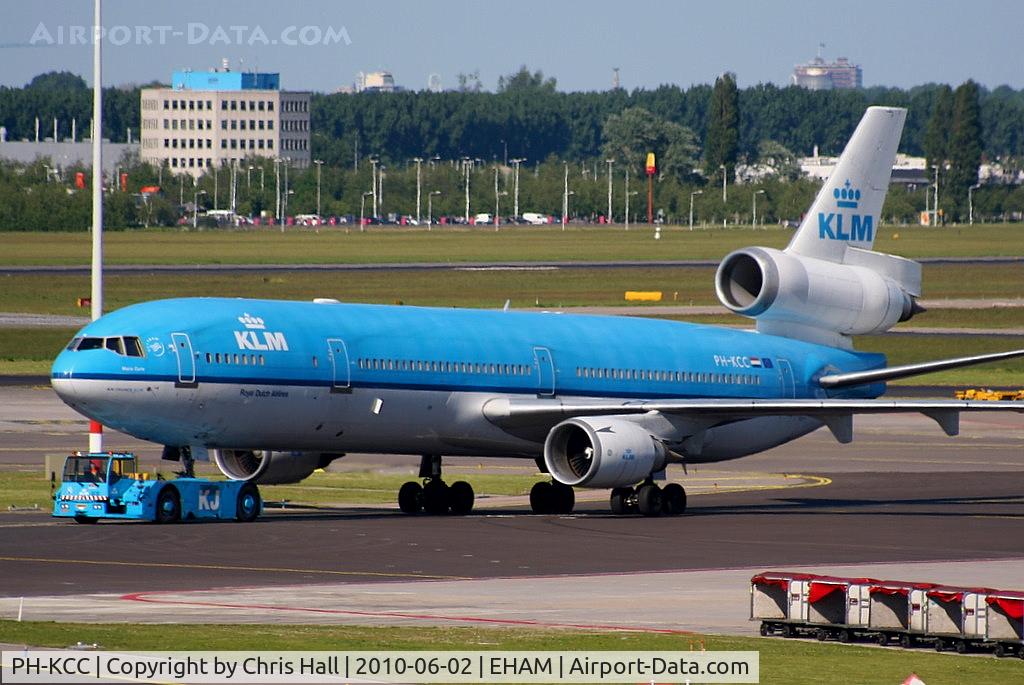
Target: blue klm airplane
[(278, 389)]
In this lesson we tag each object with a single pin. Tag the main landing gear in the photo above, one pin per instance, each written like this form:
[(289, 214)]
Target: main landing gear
[(435, 496), (649, 500), (552, 498)]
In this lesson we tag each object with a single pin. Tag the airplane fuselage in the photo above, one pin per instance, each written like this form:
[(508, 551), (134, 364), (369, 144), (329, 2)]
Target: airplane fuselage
[(337, 377)]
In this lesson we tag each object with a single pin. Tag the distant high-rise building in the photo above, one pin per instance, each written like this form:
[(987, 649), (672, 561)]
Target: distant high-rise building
[(209, 118), (820, 75)]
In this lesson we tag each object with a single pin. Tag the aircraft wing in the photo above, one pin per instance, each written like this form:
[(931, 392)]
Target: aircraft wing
[(835, 413)]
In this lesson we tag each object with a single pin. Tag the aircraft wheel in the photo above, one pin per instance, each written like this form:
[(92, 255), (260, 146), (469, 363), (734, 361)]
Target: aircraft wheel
[(541, 498), (673, 499), (248, 506), (435, 497), (168, 505), (563, 498), (620, 500), (648, 499), (460, 497), (410, 497)]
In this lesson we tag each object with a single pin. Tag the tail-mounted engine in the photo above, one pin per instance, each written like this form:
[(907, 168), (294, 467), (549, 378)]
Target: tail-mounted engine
[(813, 299)]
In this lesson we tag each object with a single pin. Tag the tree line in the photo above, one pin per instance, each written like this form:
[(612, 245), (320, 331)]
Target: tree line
[(698, 133)]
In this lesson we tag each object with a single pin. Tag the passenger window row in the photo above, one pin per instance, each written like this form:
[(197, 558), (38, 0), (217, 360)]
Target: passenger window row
[(414, 365), (668, 376), (235, 359)]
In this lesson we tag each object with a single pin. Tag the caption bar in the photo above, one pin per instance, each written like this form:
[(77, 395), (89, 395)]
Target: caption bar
[(39, 666)]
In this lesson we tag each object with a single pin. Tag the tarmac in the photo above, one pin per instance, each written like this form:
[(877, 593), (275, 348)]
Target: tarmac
[(902, 501)]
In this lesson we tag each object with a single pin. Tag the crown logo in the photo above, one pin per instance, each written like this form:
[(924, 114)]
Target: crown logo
[(847, 196), (251, 321)]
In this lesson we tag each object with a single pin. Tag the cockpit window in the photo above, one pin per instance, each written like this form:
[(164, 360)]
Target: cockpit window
[(129, 346), (132, 346), (114, 345), (90, 344)]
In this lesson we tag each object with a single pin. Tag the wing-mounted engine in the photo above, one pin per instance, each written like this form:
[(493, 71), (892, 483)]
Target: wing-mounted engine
[(267, 467), (821, 301), (602, 452)]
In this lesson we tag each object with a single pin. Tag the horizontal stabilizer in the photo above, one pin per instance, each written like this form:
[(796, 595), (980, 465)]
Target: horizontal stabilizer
[(891, 373)]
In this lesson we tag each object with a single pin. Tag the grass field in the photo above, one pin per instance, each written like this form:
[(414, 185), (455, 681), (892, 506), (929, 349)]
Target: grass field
[(788, 662), (341, 246)]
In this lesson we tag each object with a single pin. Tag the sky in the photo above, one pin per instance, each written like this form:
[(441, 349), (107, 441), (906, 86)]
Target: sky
[(320, 45)]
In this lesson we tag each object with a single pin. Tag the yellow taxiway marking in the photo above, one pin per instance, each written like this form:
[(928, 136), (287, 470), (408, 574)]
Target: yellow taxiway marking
[(219, 567)]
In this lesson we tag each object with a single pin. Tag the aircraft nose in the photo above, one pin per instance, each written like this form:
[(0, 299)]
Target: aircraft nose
[(62, 377)]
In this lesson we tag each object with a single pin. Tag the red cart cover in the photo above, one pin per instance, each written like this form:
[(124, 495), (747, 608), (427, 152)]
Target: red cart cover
[(823, 587), (1012, 603), (897, 587), (780, 579)]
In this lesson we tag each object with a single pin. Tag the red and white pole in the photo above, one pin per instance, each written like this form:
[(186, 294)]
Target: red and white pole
[(95, 436), (95, 429)]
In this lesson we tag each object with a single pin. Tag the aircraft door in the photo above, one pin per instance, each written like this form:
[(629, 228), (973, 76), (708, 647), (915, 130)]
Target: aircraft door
[(786, 375), (341, 372), (186, 359), (545, 371)]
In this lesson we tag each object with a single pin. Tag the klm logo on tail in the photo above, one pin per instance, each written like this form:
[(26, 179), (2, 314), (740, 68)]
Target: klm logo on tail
[(830, 226)]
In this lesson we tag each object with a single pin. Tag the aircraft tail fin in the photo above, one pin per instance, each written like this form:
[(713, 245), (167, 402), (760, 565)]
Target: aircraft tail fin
[(848, 208)]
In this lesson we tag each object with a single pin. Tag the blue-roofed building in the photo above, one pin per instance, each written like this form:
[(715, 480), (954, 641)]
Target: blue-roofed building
[(221, 117)]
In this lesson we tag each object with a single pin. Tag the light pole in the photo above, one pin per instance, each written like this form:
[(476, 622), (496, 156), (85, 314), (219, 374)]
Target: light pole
[(430, 207), (935, 196), (248, 180), (373, 177), (277, 189), (215, 189), (628, 194), (419, 165), (362, 209), (195, 208), (696, 192), (285, 193), (610, 162), (753, 211), (725, 195), (380, 189), (465, 168), (515, 163), (497, 220), (497, 208), (319, 166), (565, 196), (234, 178), (970, 201), (261, 179)]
